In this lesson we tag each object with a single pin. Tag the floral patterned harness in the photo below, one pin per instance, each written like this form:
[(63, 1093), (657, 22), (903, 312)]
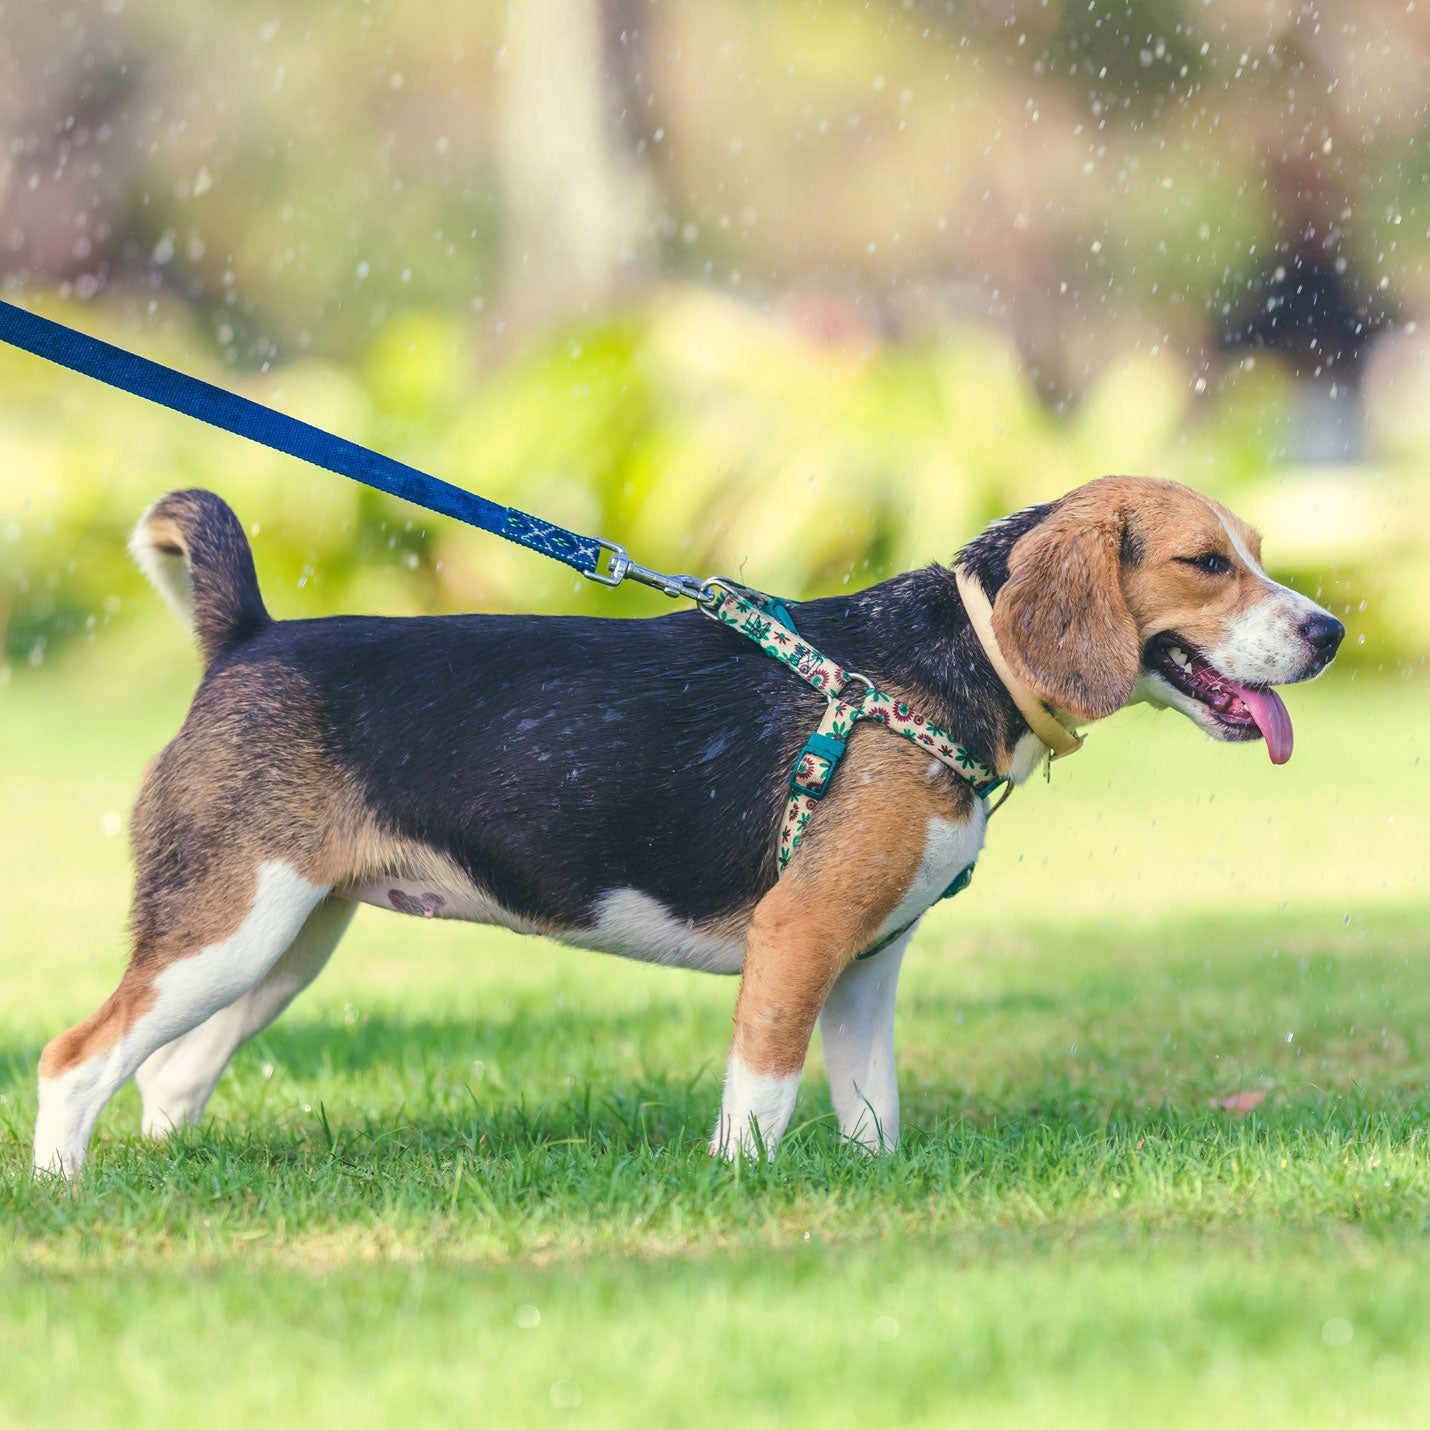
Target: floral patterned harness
[(767, 621)]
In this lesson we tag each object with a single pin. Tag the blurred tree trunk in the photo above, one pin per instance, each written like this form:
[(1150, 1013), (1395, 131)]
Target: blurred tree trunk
[(576, 206)]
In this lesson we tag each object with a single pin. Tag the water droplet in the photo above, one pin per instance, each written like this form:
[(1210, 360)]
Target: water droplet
[(565, 1395)]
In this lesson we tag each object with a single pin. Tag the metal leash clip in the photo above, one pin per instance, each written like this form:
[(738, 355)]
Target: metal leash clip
[(614, 565)]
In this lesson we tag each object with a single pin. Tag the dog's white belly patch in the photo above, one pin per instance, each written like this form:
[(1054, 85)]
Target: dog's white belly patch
[(949, 848), (635, 925), (628, 922)]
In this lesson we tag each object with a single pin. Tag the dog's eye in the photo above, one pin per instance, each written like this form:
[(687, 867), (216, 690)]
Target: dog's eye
[(1212, 563)]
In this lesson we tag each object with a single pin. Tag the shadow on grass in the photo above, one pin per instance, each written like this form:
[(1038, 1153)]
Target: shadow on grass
[(1107, 1049), (625, 1167), (366, 1128), (538, 1046)]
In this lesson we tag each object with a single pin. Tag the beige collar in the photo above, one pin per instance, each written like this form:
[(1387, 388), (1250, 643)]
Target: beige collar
[(1041, 721)]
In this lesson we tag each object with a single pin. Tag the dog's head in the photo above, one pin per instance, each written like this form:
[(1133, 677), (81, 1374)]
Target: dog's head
[(1130, 588)]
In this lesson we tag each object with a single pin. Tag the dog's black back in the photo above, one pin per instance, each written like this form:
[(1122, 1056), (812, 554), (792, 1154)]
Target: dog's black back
[(556, 758)]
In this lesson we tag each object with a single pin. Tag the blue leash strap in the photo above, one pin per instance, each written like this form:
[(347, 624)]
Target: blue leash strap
[(602, 561)]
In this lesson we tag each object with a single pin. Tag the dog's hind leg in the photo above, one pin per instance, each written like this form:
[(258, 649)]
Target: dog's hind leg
[(176, 980), (857, 1028), (177, 1081)]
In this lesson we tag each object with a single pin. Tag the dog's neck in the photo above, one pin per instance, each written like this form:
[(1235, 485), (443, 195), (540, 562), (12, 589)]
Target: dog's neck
[(911, 635), (1056, 737), (970, 691), (954, 665)]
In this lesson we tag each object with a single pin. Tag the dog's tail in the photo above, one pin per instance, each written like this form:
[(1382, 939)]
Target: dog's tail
[(193, 548)]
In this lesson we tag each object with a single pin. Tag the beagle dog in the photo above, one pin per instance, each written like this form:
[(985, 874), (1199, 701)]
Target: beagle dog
[(618, 784)]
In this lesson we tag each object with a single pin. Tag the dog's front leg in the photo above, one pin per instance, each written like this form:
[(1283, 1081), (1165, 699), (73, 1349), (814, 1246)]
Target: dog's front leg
[(795, 951), (857, 1028), (847, 884), (780, 997)]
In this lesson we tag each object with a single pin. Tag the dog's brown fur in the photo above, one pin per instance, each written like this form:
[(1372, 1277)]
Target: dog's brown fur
[(1076, 611), (848, 878)]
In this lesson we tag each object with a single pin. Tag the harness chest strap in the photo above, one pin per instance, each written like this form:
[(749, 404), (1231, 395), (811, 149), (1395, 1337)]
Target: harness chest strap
[(754, 616), (767, 621)]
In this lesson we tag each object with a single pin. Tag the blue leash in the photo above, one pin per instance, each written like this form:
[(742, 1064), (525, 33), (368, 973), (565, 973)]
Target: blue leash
[(598, 560), (602, 561)]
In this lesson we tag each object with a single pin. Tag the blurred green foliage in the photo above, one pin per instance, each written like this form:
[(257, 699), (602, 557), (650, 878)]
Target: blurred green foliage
[(1097, 172), (806, 294), (702, 434)]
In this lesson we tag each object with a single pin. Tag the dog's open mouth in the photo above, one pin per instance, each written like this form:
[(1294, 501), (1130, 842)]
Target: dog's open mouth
[(1240, 711)]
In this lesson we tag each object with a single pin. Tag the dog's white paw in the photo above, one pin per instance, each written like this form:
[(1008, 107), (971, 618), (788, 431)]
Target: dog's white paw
[(754, 1112)]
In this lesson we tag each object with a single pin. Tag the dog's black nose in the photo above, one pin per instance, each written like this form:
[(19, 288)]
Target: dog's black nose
[(1323, 634)]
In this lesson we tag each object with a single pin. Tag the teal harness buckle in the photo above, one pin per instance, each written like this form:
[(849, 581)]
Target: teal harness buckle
[(816, 764), (780, 611)]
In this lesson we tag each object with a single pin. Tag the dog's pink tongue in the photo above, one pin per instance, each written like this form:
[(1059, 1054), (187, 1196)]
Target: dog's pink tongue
[(1272, 719)]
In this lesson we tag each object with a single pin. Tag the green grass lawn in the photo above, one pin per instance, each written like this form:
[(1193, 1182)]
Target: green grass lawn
[(464, 1179)]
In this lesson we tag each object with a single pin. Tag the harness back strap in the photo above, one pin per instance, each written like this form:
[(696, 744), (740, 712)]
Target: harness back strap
[(750, 613)]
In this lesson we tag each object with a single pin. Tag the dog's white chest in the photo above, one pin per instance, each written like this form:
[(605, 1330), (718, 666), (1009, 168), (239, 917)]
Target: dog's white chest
[(949, 848)]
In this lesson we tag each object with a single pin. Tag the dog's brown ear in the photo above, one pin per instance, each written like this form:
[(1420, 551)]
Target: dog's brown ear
[(1061, 618)]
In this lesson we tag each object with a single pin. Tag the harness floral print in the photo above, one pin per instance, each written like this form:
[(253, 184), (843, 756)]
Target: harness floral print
[(767, 622)]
